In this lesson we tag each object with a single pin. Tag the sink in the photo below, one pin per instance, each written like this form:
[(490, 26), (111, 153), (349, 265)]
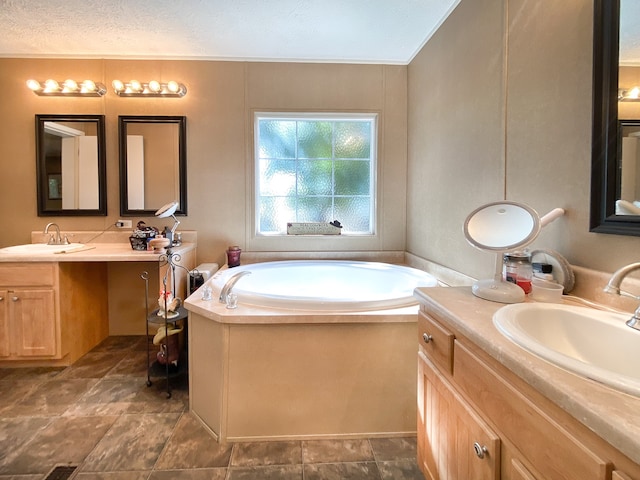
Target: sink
[(591, 343), (40, 248)]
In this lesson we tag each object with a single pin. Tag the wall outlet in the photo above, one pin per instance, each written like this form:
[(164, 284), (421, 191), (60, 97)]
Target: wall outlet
[(124, 224)]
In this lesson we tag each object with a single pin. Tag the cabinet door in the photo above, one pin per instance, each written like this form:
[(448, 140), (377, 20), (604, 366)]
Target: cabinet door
[(453, 441), (544, 442), (33, 322), (4, 324)]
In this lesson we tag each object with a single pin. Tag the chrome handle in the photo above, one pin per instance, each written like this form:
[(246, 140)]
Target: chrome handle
[(480, 450), (427, 338), (15, 298), (1, 299)]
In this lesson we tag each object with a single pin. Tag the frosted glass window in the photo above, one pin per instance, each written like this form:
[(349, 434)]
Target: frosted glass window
[(315, 168)]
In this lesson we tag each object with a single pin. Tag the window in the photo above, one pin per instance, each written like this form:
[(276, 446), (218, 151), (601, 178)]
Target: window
[(315, 168)]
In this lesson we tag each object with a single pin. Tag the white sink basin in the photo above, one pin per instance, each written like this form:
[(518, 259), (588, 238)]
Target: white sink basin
[(40, 248), (591, 343)]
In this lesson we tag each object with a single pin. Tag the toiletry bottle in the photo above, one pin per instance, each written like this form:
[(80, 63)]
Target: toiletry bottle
[(517, 269), (168, 235)]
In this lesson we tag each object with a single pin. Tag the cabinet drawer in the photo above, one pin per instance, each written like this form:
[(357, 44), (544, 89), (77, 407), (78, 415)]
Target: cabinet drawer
[(436, 342), (617, 475), (27, 274), (554, 452)]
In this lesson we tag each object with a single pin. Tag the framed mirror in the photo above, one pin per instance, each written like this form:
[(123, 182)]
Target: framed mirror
[(70, 165), (616, 61), (153, 163)]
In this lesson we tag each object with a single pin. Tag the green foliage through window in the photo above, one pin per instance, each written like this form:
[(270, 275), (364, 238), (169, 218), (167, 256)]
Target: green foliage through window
[(315, 168)]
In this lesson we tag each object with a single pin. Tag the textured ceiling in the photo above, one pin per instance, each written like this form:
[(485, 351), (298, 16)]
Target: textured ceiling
[(358, 31)]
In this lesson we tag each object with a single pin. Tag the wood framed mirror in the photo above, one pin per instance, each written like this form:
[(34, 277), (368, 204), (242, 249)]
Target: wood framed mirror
[(70, 165), (614, 60), (153, 163)]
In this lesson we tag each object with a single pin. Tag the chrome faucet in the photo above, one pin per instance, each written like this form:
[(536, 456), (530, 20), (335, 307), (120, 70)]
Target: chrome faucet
[(57, 239), (226, 289), (614, 287)]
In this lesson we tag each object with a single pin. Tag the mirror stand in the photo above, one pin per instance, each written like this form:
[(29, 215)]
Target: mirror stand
[(496, 289)]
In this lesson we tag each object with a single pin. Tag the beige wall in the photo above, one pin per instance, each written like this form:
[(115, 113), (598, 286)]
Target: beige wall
[(219, 106), (500, 108), (496, 105)]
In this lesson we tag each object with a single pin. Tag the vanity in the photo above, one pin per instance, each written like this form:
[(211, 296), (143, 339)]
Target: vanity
[(488, 409), (56, 306)]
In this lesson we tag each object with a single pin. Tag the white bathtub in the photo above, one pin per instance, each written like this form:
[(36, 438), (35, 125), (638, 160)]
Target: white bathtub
[(329, 352), (326, 285)]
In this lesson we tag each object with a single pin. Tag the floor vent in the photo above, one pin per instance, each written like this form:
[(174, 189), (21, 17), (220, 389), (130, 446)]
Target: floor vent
[(61, 472)]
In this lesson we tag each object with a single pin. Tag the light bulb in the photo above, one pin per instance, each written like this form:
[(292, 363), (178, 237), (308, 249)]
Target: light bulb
[(118, 86), (155, 86), (173, 86), (70, 85), (51, 85), (88, 86), (34, 84), (135, 85)]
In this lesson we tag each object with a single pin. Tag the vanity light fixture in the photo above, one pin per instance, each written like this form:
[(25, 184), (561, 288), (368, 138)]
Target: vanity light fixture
[(68, 88), (629, 94), (154, 88)]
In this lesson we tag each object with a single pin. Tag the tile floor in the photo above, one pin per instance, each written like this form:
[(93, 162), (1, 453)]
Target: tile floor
[(99, 414)]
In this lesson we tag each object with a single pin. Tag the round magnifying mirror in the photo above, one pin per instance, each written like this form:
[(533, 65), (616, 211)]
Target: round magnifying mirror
[(501, 227), (167, 210)]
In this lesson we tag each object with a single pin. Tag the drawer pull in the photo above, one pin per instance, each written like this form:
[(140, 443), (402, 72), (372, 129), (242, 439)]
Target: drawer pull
[(15, 298), (427, 338), (480, 450)]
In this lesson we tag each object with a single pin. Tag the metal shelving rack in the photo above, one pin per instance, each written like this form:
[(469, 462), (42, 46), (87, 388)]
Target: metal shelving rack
[(154, 368)]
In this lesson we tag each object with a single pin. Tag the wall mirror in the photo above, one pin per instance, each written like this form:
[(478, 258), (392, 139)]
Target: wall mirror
[(153, 163), (616, 68), (70, 165)]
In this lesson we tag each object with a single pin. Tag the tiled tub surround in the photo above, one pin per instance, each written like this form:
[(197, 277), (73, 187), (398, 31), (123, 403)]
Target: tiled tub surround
[(613, 416), (258, 373), (100, 415)]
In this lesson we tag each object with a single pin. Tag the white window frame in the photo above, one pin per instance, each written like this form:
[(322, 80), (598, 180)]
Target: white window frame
[(321, 116)]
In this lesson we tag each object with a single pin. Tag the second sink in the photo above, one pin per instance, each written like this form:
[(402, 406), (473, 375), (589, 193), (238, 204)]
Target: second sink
[(591, 343)]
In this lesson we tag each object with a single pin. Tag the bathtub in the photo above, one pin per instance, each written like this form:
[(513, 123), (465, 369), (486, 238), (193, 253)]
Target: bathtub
[(325, 285), (309, 353)]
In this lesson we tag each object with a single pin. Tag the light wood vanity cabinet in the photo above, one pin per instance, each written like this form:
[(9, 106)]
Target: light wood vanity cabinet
[(50, 313), (478, 402), (452, 437), (27, 329), (29, 323)]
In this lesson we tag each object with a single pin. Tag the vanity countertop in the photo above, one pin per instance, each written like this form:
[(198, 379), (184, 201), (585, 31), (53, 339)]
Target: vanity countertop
[(95, 252), (614, 416)]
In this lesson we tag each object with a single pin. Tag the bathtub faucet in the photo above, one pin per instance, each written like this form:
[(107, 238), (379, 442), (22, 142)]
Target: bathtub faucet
[(226, 289)]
